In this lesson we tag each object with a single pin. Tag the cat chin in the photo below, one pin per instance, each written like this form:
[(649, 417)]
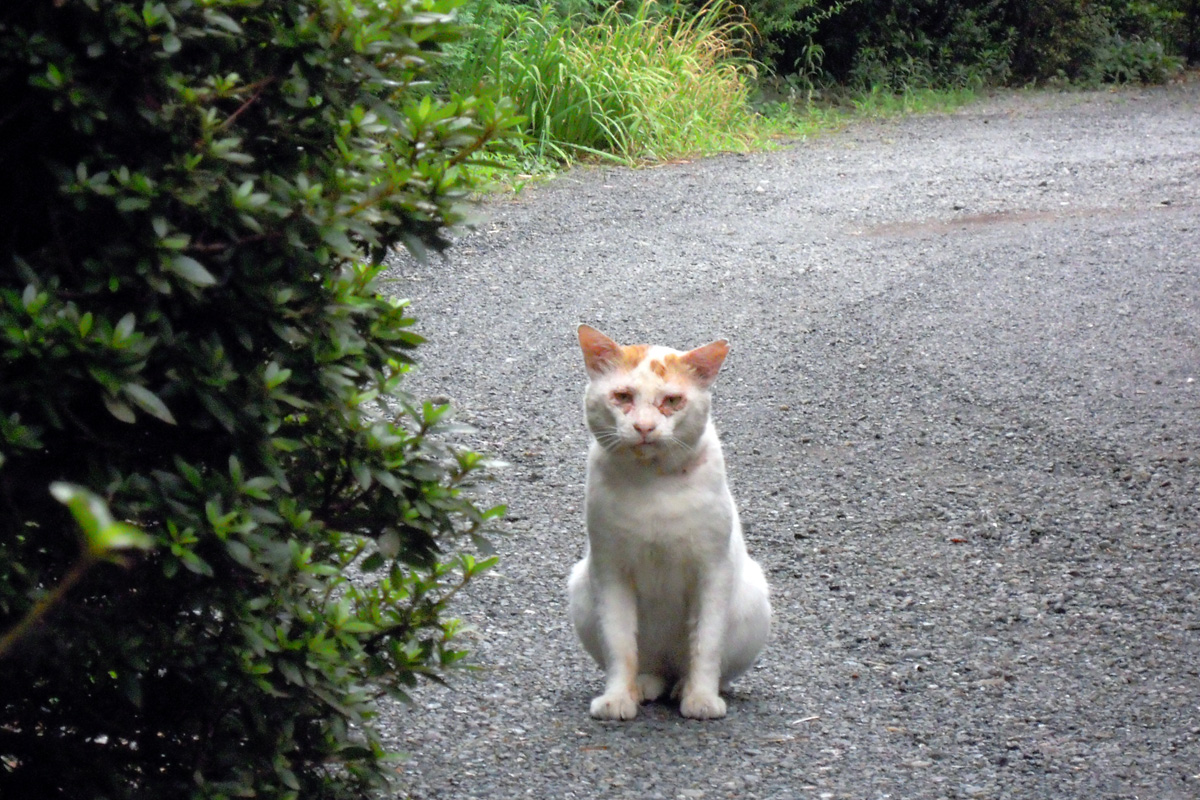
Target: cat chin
[(650, 454), (646, 451)]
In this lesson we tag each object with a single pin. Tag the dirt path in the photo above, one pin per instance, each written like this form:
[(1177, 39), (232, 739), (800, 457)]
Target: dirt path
[(962, 415)]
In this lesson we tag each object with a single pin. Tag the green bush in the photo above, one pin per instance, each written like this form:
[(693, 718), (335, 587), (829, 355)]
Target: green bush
[(905, 44), (785, 30), (1055, 38), (196, 199), (914, 44), (1133, 60), (1090, 43)]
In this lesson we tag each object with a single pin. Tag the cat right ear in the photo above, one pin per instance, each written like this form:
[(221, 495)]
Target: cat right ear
[(600, 353), (706, 361)]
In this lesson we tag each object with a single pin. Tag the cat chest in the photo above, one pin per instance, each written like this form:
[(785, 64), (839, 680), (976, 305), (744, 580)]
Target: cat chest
[(655, 523)]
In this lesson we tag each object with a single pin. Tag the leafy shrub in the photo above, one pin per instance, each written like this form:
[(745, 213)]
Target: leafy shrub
[(1175, 24), (906, 44), (916, 44), (785, 30), (1055, 38), (1092, 43), (1135, 60), (197, 196)]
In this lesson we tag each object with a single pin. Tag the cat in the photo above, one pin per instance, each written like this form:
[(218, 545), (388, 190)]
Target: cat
[(666, 594)]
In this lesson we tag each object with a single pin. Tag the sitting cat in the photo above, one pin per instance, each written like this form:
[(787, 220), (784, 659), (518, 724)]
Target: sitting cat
[(666, 594)]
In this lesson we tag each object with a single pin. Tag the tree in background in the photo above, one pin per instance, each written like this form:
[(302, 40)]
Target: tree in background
[(203, 431)]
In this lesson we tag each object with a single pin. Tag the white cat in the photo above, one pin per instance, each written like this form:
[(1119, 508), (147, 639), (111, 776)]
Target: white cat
[(666, 594)]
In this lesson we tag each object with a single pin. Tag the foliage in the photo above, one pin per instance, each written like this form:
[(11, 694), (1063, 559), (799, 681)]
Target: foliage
[(915, 44), (1055, 38), (633, 85), (197, 197), (1135, 60), (908, 44), (1091, 43), (785, 31)]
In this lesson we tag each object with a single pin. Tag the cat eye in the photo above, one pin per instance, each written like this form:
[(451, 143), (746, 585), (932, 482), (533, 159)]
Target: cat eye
[(672, 402), (623, 397)]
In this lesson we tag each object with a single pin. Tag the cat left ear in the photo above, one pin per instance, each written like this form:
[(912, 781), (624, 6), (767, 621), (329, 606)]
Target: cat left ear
[(706, 361), (600, 353)]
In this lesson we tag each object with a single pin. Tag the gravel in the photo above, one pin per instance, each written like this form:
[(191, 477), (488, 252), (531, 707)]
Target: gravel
[(961, 420)]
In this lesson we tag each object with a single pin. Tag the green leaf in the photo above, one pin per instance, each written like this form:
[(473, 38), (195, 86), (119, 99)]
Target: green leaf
[(275, 376), (222, 21), (148, 401), (240, 553), (290, 672), (289, 778), (104, 537), (90, 511), (119, 410), (196, 564), (132, 204), (124, 329), (191, 270)]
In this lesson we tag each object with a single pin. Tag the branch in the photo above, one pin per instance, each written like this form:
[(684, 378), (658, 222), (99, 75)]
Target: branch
[(258, 90), (46, 604), (220, 247)]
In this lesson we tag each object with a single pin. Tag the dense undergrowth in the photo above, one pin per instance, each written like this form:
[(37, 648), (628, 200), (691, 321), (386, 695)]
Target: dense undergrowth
[(662, 80)]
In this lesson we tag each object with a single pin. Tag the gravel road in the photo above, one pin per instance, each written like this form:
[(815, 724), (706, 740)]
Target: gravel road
[(962, 420)]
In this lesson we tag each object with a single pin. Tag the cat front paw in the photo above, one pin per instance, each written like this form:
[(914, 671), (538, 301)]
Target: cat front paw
[(615, 705), (702, 705)]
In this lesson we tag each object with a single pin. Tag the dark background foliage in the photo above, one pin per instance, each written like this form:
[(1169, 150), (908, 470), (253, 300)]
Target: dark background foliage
[(859, 45), (192, 333), (934, 43)]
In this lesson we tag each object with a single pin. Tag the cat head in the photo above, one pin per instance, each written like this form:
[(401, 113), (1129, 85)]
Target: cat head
[(652, 401)]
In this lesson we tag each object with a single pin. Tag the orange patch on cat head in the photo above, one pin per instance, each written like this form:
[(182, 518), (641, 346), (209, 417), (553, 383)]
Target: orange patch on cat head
[(673, 366), (632, 355)]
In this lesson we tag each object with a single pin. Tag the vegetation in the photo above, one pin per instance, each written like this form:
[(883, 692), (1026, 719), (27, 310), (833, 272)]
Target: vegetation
[(631, 84), (901, 44), (203, 428), (664, 79)]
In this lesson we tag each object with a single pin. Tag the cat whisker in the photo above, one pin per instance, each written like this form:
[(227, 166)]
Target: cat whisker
[(683, 444), (606, 438)]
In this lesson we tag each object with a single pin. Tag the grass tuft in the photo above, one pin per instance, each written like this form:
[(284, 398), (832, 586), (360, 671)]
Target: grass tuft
[(626, 86)]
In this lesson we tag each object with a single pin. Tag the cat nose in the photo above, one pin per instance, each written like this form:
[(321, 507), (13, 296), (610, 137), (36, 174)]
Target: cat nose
[(643, 427)]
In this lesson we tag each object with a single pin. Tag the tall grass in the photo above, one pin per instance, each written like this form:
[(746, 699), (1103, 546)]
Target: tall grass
[(630, 85)]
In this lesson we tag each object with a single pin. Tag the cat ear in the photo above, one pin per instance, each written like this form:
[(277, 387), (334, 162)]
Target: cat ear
[(600, 353), (706, 361)]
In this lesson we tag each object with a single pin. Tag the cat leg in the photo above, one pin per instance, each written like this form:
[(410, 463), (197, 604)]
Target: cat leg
[(617, 616), (584, 614), (699, 697), (748, 625)]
